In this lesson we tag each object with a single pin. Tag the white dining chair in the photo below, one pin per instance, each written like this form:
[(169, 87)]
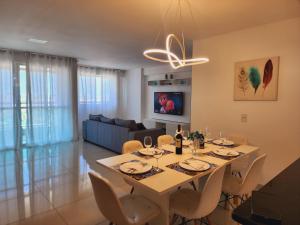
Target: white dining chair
[(128, 210), (195, 205), (165, 140), (131, 146), (238, 167), (236, 187)]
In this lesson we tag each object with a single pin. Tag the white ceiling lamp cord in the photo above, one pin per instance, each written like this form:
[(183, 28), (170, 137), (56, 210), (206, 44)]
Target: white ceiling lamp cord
[(170, 57)]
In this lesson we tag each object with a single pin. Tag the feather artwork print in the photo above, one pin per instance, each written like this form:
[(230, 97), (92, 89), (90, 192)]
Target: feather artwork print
[(254, 78), (243, 80), (268, 73)]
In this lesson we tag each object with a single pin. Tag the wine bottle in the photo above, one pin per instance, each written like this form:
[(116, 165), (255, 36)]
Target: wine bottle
[(178, 140), (202, 141)]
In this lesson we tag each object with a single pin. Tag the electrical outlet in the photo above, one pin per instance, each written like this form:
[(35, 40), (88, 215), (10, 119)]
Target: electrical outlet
[(244, 118)]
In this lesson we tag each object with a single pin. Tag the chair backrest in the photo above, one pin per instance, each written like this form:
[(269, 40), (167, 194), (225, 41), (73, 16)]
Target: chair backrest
[(165, 140), (253, 175), (131, 146), (238, 139), (211, 192), (107, 200)]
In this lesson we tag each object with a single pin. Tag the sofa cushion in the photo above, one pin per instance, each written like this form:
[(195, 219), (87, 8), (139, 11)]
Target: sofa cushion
[(107, 120), (96, 117), (131, 124), (140, 126)]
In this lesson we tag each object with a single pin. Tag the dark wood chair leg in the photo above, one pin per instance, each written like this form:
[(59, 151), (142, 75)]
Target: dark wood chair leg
[(174, 219), (132, 190), (193, 184), (240, 175), (226, 201), (208, 221)]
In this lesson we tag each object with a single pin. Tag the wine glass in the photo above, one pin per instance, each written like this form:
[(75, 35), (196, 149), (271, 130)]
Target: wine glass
[(147, 142), (157, 155), (221, 138), (192, 147), (207, 134), (186, 134)]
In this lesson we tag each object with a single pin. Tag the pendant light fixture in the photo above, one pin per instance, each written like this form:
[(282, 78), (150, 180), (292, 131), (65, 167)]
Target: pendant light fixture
[(167, 55)]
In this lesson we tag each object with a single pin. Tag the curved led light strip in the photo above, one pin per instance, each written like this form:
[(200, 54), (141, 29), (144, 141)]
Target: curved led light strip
[(172, 58)]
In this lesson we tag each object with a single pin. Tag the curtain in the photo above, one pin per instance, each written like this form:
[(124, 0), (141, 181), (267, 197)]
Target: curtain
[(51, 117), (7, 132), (98, 92), (38, 99)]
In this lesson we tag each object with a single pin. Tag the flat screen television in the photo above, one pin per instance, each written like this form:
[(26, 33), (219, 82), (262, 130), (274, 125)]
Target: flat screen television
[(169, 103)]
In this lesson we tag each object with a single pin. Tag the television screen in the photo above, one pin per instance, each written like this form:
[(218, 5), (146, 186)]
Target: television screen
[(168, 103)]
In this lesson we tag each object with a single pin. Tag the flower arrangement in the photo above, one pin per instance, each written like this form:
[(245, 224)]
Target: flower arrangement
[(195, 135)]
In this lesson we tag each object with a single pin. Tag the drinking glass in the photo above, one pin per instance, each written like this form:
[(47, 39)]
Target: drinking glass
[(221, 137), (186, 134), (192, 147), (157, 155), (207, 134), (147, 142)]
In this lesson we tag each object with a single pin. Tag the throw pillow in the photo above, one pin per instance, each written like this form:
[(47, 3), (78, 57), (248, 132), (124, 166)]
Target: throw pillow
[(96, 117), (131, 124), (140, 126), (107, 120)]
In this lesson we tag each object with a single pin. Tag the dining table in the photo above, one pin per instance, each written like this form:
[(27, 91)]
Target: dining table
[(157, 186)]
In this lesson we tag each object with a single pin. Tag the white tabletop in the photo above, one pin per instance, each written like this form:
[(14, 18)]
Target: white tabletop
[(170, 179)]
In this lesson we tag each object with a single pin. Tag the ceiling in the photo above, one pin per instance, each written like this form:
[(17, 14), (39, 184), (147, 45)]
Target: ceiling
[(114, 33)]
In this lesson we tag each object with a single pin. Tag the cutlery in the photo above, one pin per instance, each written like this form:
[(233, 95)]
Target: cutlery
[(189, 164)]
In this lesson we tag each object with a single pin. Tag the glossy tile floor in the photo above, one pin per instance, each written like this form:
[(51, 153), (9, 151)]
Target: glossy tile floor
[(50, 186)]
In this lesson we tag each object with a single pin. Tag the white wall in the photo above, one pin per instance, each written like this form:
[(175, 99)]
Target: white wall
[(158, 73), (132, 108), (273, 126)]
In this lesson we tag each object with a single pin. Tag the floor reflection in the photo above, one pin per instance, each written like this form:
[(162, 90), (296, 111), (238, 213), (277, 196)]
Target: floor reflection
[(36, 180), (50, 185)]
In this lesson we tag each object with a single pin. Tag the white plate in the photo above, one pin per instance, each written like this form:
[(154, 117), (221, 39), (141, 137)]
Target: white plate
[(226, 152), (223, 142), (148, 151), (135, 167), (186, 142), (194, 165), (208, 140)]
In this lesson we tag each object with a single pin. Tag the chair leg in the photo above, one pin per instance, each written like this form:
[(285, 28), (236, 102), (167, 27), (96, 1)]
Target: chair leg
[(208, 221), (236, 200), (226, 201), (194, 186), (174, 219), (132, 190), (240, 175)]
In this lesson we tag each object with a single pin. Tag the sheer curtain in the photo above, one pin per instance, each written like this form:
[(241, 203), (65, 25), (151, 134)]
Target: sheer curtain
[(50, 109), (97, 92), (38, 99), (7, 132)]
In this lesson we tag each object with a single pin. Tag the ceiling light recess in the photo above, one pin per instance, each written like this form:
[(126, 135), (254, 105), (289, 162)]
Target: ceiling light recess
[(37, 41)]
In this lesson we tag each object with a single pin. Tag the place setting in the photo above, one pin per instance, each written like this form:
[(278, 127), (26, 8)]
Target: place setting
[(224, 153), (138, 169), (149, 151), (223, 142), (191, 166)]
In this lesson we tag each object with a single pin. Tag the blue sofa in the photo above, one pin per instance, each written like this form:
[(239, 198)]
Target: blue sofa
[(112, 136)]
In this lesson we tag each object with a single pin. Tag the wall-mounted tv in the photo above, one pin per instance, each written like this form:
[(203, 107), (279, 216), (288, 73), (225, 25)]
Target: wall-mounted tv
[(169, 103)]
